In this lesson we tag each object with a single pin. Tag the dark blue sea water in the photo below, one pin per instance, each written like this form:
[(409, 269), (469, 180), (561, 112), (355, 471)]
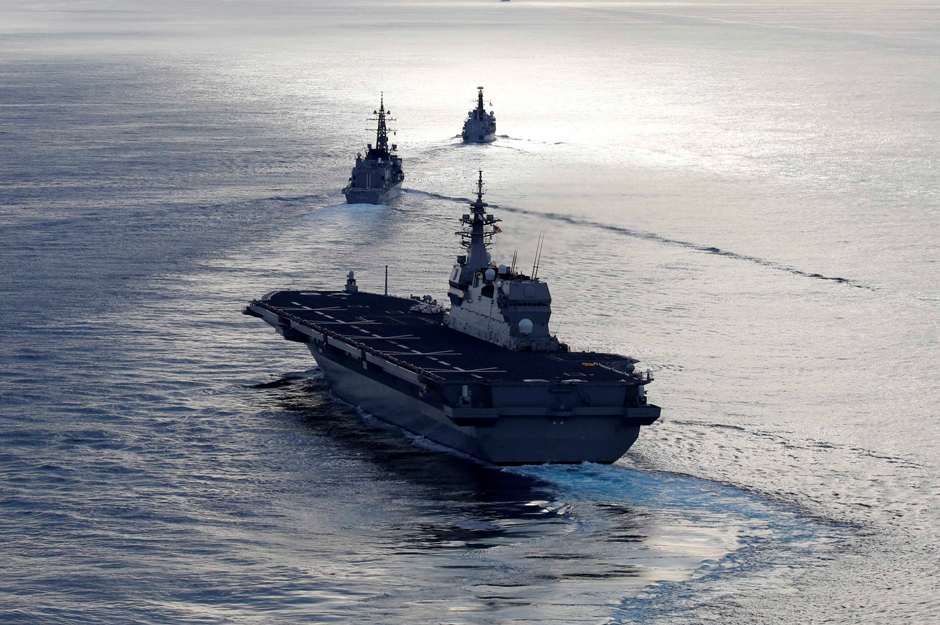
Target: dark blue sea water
[(744, 196)]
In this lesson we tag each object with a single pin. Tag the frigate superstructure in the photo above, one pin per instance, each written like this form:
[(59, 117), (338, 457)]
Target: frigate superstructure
[(486, 377), (480, 126), (377, 177)]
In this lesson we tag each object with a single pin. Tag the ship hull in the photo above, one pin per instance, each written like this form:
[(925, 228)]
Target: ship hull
[(372, 196), (479, 138), (479, 132), (408, 368), (508, 440)]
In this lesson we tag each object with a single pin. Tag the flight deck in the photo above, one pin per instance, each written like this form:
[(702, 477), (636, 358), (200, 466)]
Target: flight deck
[(421, 343)]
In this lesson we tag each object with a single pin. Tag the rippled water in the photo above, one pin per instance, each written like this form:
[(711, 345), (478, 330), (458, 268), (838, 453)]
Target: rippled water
[(742, 195)]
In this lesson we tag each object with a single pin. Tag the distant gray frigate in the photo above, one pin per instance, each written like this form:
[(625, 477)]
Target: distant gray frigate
[(480, 126)]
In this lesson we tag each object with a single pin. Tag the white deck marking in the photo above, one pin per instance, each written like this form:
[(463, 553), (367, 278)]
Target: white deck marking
[(414, 352), (393, 340), (470, 371), (365, 322)]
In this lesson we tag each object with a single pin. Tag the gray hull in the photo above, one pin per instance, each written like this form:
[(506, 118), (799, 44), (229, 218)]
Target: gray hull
[(501, 405), (372, 196), (469, 137), (509, 439), (480, 126)]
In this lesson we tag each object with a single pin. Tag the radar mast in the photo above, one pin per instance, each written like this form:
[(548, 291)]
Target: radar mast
[(477, 238), (382, 130)]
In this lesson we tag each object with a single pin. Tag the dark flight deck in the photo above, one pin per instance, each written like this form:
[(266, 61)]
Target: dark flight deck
[(421, 341)]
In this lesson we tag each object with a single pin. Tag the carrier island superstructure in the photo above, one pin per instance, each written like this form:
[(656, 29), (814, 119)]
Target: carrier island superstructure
[(377, 178), (486, 377), (480, 126)]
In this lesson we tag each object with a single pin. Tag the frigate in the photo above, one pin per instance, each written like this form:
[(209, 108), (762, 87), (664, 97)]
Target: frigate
[(377, 178), (480, 126), (485, 377)]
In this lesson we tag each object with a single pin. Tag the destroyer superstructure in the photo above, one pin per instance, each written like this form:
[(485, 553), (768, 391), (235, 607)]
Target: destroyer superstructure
[(480, 126), (377, 178), (486, 377)]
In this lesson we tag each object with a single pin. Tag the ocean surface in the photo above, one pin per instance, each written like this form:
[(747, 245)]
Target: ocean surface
[(744, 195)]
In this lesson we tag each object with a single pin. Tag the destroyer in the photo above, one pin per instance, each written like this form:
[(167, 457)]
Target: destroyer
[(377, 178), (486, 377), (480, 126)]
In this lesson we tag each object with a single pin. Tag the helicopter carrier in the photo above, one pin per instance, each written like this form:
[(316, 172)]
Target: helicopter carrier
[(377, 178), (485, 377), (480, 126)]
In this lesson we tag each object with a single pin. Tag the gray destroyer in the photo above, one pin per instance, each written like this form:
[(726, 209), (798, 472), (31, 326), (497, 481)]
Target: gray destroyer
[(377, 178), (480, 126), (486, 377)]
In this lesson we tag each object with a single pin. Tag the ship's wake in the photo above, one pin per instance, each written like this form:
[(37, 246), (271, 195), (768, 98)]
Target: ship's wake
[(653, 539), (438, 196), (509, 138), (652, 236)]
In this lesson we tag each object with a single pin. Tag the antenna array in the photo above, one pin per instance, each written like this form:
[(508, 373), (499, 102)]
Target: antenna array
[(538, 256)]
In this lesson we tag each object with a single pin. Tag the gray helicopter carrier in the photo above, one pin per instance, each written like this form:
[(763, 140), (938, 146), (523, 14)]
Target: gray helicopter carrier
[(377, 178), (486, 377), (480, 126)]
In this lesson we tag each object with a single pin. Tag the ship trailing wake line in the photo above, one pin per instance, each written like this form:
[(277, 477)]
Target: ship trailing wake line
[(652, 236)]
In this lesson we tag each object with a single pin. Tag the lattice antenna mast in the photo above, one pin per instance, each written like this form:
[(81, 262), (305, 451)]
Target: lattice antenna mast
[(538, 256), (481, 228), (381, 132)]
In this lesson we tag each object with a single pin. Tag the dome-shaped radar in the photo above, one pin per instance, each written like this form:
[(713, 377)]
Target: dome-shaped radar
[(501, 269), (525, 326), (490, 274)]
